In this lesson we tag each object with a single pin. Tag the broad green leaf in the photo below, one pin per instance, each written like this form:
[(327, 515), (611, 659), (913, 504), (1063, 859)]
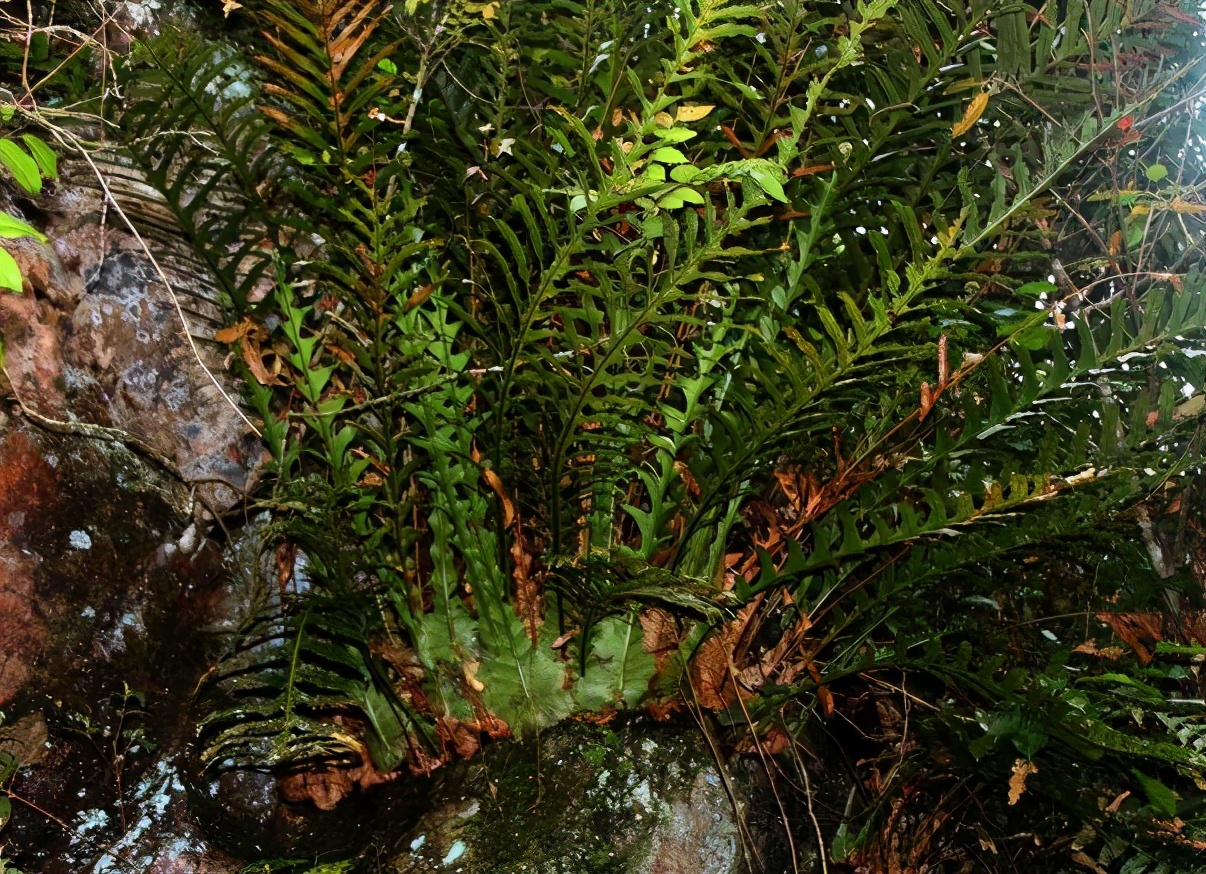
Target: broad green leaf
[(1158, 795), (13, 228), (767, 178), (618, 670), (524, 684), (684, 172), (23, 167), (679, 197), (47, 161)]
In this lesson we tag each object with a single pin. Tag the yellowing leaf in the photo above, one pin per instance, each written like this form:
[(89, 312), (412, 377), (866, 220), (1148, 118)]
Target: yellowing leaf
[(975, 109), (693, 113), (230, 6), (490, 11), (469, 670)]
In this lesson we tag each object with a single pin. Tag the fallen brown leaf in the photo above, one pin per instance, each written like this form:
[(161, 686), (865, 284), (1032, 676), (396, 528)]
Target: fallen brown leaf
[(1017, 783)]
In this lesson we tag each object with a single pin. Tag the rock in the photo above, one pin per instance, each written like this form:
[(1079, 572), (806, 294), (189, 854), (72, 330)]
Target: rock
[(160, 836), (26, 740), (98, 338), (27, 482), (100, 630), (637, 799), (125, 356)]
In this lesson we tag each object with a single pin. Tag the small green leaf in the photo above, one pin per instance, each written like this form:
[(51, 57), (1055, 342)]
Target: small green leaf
[(654, 173), (10, 273), (843, 843), (684, 172), (385, 65), (768, 181), (676, 199), (6, 810), (674, 134), (12, 228), (1156, 172), (7, 110), (669, 155), (47, 161), (22, 166), (1034, 289)]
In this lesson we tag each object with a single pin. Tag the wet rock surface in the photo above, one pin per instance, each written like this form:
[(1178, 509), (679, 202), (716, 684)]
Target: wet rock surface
[(116, 453), (98, 338), (96, 676), (639, 798)]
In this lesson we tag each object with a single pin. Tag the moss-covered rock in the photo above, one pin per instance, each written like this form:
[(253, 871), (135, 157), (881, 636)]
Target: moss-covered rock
[(583, 799)]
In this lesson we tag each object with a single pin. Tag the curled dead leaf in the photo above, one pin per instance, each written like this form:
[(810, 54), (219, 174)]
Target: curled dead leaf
[(419, 296), (685, 475), (1086, 861), (927, 400), (469, 670), (496, 485), (235, 332)]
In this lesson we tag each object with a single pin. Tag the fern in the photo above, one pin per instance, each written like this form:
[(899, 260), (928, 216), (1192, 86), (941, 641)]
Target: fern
[(740, 311)]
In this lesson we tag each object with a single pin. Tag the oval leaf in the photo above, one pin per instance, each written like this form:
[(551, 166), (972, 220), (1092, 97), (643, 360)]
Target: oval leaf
[(684, 172), (693, 113), (669, 155)]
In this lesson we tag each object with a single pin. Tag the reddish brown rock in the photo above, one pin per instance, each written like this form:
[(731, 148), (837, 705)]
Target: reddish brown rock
[(27, 482)]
